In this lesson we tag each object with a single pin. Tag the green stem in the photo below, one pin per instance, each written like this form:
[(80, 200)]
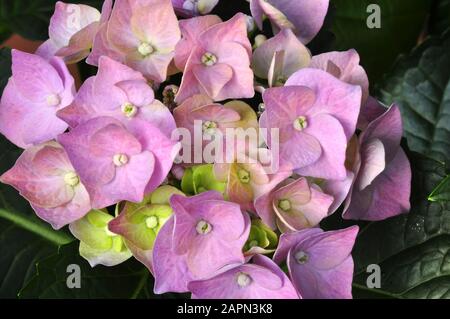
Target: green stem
[(35, 226), (141, 285)]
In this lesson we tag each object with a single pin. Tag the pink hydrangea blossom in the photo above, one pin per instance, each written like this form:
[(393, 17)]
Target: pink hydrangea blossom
[(118, 163), (120, 92), (320, 263), (35, 92), (344, 66), (316, 115), (205, 237), (219, 64), (191, 29), (280, 57), (293, 205), (262, 279), (383, 175), (304, 17), (72, 31), (44, 175), (141, 34)]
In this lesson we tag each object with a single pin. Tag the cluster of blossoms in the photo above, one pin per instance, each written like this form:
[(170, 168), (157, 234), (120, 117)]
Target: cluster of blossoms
[(105, 160)]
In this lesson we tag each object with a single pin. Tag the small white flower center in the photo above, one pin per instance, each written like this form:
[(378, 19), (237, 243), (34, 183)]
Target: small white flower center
[(209, 59), (53, 100), (71, 179), (209, 127), (120, 160), (300, 123), (152, 222), (203, 227), (301, 257), (243, 280), (129, 110), (284, 204), (244, 176), (145, 49)]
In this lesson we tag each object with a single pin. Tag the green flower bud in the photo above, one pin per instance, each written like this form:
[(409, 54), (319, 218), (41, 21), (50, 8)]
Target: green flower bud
[(261, 236), (98, 244), (199, 179)]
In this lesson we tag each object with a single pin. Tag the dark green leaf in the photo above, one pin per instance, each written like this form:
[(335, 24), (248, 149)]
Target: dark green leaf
[(401, 25), (5, 67), (128, 280), (420, 85), (440, 16), (441, 192), (413, 250)]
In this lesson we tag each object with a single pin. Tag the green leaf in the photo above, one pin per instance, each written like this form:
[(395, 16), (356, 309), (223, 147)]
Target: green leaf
[(441, 192), (5, 67), (440, 16), (401, 25), (128, 280), (413, 250), (31, 19), (420, 85)]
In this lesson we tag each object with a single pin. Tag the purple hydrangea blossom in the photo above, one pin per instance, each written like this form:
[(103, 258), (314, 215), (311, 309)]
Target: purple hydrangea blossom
[(304, 17), (219, 64), (262, 279), (316, 115), (205, 237), (72, 31), (293, 205), (141, 34), (383, 174), (118, 163), (120, 92), (319, 263), (35, 92)]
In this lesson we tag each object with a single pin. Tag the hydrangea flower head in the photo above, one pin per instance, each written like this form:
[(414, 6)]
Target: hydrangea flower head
[(262, 279), (304, 17), (98, 245), (320, 264), (35, 92), (116, 163), (219, 64), (44, 175), (141, 34), (294, 206), (72, 31), (383, 183)]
